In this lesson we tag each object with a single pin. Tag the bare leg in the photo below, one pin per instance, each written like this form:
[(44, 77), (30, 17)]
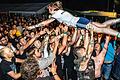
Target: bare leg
[(106, 23), (106, 31), (111, 22)]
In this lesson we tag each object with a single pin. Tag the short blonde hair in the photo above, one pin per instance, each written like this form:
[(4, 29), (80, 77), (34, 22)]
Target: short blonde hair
[(57, 5)]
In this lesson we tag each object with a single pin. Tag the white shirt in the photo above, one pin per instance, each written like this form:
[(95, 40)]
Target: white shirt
[(65, 18)]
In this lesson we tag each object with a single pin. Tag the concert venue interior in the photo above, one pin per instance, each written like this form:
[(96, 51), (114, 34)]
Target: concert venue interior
[(59, 39)]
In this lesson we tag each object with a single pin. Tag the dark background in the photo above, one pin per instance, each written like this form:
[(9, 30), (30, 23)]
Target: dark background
[(105, 5)]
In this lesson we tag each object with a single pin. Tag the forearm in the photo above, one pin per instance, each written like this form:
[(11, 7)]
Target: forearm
[(14, 75), (56, 77), (30, 42), (42, 23), (91, 44), (86, 41), (91, 39), (106, 44), (64, 43), (79, 41), (55, 49), (74, 36), (18, 75)]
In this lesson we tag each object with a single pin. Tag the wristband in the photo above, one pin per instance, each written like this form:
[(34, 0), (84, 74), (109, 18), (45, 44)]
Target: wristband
[(65, 33), (54, 74)]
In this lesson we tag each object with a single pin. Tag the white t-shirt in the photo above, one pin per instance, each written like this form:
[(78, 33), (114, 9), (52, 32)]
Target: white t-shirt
[(65, 18)]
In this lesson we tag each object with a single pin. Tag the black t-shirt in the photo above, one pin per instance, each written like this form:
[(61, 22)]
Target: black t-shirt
[(6, 67)]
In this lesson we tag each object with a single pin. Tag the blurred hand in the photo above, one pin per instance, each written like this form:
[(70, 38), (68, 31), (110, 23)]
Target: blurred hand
[(53, 68), (108, 37), (65, 28), (82, 31), (56, 41)]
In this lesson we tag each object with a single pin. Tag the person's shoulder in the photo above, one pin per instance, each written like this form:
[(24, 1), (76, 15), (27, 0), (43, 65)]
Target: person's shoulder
[(59, 11), (4, 64)]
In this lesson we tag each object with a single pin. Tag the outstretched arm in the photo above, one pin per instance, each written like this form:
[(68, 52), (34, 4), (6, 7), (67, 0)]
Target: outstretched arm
[(74, 37), (64, 41), (84, 64), (43, 23), (86, 40), (104, 50)]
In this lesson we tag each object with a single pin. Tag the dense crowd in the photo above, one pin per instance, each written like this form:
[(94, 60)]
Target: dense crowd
[(55, 51)]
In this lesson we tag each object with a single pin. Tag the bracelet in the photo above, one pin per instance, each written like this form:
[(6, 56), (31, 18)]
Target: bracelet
[(65, 33), (55, 74)]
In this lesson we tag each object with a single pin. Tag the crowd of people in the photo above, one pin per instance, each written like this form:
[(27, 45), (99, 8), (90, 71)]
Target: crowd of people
[(56, 51)]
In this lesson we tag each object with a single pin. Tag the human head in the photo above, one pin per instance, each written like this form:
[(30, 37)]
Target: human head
[(4, 40), (54, 6), (38, 53), (97, 47), (6, 52), (29, 69), (23, 41), (80, 51)]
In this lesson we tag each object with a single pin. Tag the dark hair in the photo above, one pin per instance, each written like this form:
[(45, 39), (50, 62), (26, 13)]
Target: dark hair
[(29, 69)]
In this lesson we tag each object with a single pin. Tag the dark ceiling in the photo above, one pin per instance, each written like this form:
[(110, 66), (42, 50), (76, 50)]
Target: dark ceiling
[(106, 5)]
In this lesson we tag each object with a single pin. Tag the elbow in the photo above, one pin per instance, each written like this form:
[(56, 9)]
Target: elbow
[(17, 76)]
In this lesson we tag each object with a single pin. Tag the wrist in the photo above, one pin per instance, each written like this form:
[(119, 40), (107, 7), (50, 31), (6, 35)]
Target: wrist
[(54, 74), (65, 33)]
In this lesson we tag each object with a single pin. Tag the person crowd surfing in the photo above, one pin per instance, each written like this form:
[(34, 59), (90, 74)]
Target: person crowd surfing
[(57, 13)]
